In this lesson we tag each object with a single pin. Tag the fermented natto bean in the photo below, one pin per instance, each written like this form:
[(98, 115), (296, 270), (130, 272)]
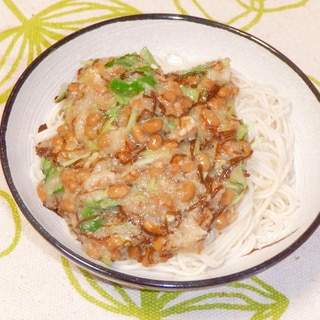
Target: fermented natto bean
[(218, 66), (170, 144), (204, 161), (69, 180), (131, 176), (186, 164), (114, 243), (124, 115), (221, 222), (82, 175), (41, 192), (68, 175), (181, 161), (152, 126), (175, 87), (224, 92), (90, 132), (192, 80), (209, 117), (245, 147), (57, 142), (187, 102), (70, 135), (67, 206), (62, 129), (207, 84), (134, 252), (227, 197), (159, 243), (169, 96), (216, 103), (119, 190), (188, 191), (138, 134), (104, 140), (156, 171), (235, 90), (71, 186), (152, 227), (163, 200), (155, 142), (93, 119), (74, 87)]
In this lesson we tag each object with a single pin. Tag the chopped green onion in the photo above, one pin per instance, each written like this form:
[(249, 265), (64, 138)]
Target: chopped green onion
[(137, 78), (87, 212), (148, 79), (226, 62), (107, 125), (118, 85), (53, 184), (125, 90), (106, 260), (150, 156), (112, 113), (132, 120), (243, 129), (91, 225), (144, 69), (194, 71), (128, 60), (152, 184), (59, 189), (108, 203), (75, 159), (148, 57), (237, 182), (87, 63), (48, 168), (192, 93), (257, 141), (60, 97), (93, 207)]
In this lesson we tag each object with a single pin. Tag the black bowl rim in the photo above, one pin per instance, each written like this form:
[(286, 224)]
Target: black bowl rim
[(105, 272)]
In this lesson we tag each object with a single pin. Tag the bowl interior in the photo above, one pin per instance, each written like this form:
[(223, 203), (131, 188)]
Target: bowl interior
[(179, 43)]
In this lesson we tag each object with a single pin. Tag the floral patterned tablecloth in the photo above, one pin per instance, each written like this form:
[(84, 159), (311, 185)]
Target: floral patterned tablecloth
[(36, 282)]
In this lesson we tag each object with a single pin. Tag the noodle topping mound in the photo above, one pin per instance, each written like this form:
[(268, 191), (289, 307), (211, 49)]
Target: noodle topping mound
[(145, 163)]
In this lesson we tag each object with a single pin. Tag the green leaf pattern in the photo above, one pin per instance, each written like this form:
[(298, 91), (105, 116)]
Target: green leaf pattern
[(247, 12), (253, 296), (21, 44), (16, 222)]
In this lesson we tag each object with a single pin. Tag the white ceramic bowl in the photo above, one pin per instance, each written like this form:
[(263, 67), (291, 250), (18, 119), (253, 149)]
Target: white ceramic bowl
[(176, 39)]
